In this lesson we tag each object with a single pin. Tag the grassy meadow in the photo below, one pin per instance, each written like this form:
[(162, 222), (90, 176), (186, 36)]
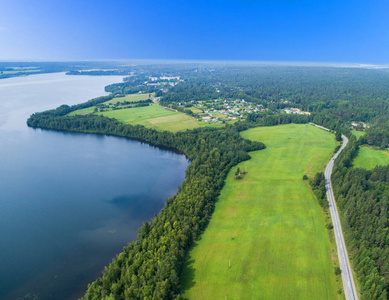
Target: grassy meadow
[(267, 237), (131, 98), (368, 158), (357, 133), (128, 98), (154, 116), (83, 111)]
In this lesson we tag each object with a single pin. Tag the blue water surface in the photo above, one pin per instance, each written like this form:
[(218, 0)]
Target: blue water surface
[(70, 202)]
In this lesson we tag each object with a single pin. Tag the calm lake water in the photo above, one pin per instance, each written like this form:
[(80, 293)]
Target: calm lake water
[(70, 202)]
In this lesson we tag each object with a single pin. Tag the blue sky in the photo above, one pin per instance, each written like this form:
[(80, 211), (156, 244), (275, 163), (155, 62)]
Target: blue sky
[(281, 30)]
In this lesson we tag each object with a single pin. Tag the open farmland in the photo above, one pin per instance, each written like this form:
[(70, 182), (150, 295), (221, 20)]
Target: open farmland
[(358, 134), (368, 158), (267, 237), (154, 116), (131, 98)]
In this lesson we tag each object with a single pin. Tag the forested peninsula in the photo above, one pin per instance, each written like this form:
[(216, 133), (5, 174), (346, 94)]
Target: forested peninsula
[(150, 267)]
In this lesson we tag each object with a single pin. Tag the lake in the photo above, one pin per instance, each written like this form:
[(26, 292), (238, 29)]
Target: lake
[(70, 202)]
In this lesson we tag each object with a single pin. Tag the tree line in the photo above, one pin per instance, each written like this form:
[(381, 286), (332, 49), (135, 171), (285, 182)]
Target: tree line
[(363, 198)]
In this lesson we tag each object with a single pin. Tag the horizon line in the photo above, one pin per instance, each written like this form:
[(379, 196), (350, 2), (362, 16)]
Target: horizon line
[(266, 62)]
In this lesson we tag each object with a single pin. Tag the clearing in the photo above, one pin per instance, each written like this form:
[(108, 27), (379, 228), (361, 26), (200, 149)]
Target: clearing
[(156, 117), (152, 116), (368, 158), (267, 237), (357, 133), (131, 98)]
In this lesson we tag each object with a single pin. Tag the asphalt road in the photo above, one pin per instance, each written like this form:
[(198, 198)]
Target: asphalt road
[(344, 263)]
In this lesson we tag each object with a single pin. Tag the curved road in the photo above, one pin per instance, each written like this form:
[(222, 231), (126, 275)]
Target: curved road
[(348, 282)]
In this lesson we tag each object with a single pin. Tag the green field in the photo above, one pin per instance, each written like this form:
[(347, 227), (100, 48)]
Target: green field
[(357, 133), (154, 116), (269, 225), (83, 111), (195, 110), (128, 98), (369, 158), (131, 98)]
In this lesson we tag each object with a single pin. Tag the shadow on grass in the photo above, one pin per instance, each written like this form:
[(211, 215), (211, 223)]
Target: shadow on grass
[(188, 276)]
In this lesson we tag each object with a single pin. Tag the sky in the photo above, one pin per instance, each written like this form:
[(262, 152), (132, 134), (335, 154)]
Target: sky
[(342, 31)]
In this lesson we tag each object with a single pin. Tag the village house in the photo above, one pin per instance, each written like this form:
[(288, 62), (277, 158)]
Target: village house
[(169, 78)]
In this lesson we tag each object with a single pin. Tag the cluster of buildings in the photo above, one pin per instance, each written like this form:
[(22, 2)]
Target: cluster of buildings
[(226, 110), (163, 80), (296, 111), (177, 78), (359, 125)]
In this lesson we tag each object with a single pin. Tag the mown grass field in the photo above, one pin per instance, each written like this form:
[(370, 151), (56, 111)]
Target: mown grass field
[(154, 116), (83, 111), (357, 133), (268, 226), (195, 110), (368, 158), (131, 98)]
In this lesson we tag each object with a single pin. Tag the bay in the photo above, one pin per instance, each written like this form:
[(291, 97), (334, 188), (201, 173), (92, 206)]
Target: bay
[(70, 202)]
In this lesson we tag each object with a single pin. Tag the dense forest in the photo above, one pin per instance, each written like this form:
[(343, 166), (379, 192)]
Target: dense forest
[(149, 268), (343, 92), (377, 135)]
